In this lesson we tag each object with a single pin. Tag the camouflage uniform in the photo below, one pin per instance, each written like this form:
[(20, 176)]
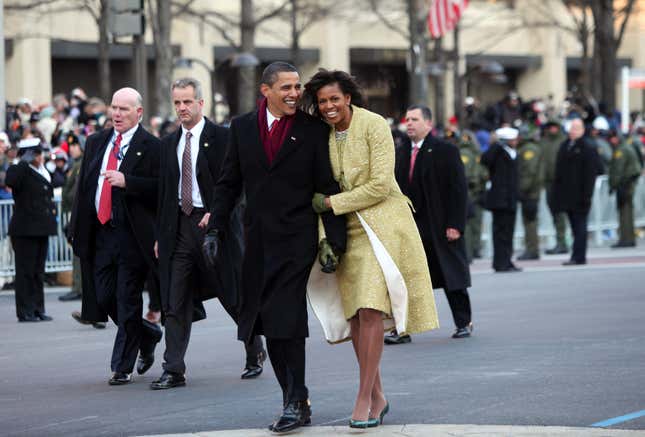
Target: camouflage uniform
[(624, 170), (531, 177), (69, 191), (476, 176), (550, 144)]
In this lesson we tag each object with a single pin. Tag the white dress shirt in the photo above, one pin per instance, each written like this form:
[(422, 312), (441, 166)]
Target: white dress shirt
[(196, 132), (42, 171), (126, 137), (511, 151), (271, 119)]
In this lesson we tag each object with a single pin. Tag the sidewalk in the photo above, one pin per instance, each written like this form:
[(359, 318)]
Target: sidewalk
[(427, 431)]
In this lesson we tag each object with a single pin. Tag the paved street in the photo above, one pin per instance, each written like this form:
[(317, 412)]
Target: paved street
[(552, 346)]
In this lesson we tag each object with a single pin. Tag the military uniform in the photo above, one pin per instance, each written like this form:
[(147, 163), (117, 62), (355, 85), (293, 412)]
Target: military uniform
[(476, 176), (624, 170), (69, 191), (530, 171), (550, 144)]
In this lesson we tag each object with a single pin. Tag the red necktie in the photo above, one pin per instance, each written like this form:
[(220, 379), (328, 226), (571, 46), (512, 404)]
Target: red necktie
[(413, 159), (105, 201)]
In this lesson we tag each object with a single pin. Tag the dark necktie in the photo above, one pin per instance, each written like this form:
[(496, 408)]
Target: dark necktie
[(187, 178)]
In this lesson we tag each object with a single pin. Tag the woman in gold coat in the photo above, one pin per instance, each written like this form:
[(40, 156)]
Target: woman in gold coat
[(383, 275)]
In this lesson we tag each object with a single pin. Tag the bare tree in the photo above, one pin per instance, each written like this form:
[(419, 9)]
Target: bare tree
[(159, 12)]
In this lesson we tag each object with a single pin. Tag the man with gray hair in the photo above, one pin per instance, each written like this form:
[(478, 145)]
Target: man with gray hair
[(191, 160), (112, 229)]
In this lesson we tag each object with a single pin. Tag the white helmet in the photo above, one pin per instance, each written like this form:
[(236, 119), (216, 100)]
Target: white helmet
[(600, 123)]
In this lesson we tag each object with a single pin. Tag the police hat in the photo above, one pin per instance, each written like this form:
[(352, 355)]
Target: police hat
[(32, 145), (507, 133)]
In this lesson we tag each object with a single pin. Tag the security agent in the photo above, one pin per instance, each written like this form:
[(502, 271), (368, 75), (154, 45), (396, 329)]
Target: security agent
[(33, 221)]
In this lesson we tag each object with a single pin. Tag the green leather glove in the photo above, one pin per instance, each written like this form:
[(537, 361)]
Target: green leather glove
[(318, 203), (326, 257)]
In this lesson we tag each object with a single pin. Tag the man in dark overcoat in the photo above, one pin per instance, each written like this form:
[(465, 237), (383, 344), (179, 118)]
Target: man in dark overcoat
[(430, 172), (32, 222), (280, 156), (191, 160), (112, 227), (576, 168), (503, 195)]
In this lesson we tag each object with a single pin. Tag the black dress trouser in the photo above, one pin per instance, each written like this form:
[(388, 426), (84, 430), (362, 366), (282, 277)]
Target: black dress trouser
[(119, 274), (187, 266), (459, 302), (503, 229), (578, 221), (30, 255), (288, 361)]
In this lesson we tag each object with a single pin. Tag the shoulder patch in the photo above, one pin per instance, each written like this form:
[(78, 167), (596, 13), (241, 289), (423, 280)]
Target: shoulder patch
[(528, 155), (618, 154), (465, 159)]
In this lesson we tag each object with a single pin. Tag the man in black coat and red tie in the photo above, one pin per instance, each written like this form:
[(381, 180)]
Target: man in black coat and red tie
[(112, 228), (430, 172), (191, 160), (280, 157)]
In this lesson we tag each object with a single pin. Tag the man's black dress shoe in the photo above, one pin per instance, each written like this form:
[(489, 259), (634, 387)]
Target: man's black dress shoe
[(43, 317), (28, 319), (253, 367), (150, 336), (168, 380), (557, 250), (509, 269), (120, 378), (294, 415), (72, 295), (145, 362), (527, 256), (572, 262), (463, 332), (76, 315), (395, 338)]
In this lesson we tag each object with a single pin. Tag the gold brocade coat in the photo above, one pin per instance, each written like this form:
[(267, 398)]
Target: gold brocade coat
[(369, 188)]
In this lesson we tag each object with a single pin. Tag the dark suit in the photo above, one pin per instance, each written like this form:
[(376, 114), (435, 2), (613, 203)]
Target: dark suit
[(281, 231), (116, 256), (576, 168), (185, 279), (33, 220), (501, 200), (439, 194)]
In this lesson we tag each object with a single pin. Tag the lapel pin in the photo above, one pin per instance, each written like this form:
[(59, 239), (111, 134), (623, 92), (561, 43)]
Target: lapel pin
[(138, 153), (205, 144), (293, 138)]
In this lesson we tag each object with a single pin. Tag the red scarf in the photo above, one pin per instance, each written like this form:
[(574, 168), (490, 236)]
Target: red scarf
[(272, 141)]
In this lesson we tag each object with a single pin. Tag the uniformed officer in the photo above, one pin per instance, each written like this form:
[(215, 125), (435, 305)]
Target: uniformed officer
[(33, 221), (530, 172), (552, 137), (476, 176), (624, 170)]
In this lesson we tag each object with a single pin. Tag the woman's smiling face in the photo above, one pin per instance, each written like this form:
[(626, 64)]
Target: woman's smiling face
[(333, 105)]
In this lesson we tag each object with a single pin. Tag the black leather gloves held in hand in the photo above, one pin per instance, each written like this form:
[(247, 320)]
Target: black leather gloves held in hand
[(318, 203), (327, 257), (210, 248)]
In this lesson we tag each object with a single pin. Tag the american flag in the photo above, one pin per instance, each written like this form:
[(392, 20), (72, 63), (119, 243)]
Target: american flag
[(443, 15)]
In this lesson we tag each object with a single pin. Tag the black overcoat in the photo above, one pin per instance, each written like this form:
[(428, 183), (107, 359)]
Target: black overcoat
[(505, 186), (222, 282), (137, 203), (34, 212), (439, 194), (280, 226), (576, 168)]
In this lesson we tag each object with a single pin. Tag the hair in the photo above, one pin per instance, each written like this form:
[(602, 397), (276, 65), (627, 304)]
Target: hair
[(425, 111), (345, 81), (270, 73), (185, 82)]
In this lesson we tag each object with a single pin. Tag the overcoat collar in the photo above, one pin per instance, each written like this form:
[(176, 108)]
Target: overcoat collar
[(291, 142)]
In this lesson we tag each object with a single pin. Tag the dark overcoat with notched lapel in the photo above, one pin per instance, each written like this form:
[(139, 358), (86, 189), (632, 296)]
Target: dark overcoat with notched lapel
[(505, 185), (280, 226), (439, 194), (223, 281), (576, 168), (133, 206)]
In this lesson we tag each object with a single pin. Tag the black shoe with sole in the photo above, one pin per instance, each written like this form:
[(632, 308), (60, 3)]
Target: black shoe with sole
[(120, 378), (28, 319), (528, 256), (294, 415), (395, 338), (72, 295), (557, 250), (43, 317), (572, 262), (168, 380), (509, 269), (254, 363), (76, 315)]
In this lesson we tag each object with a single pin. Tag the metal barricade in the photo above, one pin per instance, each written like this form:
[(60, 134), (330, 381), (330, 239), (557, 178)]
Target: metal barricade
[(603, 219), (59, 252)]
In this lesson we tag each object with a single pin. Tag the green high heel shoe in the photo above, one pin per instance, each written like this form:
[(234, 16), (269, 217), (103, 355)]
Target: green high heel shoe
[(379, 421), (363, 424)]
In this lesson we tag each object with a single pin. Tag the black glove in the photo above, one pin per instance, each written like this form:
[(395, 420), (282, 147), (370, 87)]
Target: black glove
[(210, 247), (327, 257), (68, 234)]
